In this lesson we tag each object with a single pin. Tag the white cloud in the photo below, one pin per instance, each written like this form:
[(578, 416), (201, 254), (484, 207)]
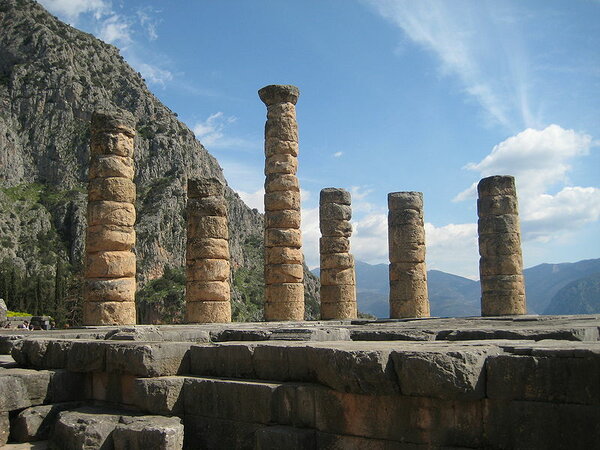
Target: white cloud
[(253, 199), (115, 29), (148, 21), (540, 161), (154, 74), (337, 154), (210, 132), (310, 236), (70, 10), (474, 42), (453, 248)]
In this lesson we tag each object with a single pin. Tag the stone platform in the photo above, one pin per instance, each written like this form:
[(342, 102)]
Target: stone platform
[(516, 382)]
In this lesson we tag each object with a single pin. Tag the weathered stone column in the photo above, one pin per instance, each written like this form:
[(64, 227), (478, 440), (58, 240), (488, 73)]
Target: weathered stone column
[(284, 274), (109, 291), (406, 240), (338, 285), (207, 294), (501, 262)]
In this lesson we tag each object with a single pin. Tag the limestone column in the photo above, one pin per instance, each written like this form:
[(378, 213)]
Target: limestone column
[(109, 290), (406, 240), (207, 294), (284, 273), (338, 285), (501, 263)]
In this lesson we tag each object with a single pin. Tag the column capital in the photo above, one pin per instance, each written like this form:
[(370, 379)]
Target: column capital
[(279, 93)]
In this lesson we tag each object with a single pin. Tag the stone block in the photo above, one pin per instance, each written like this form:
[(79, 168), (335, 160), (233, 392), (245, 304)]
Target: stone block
[(110, 264), (540, 425), (277, 146), (84, 428), (4, 428), (151, 359), (288, 218), (109, 290), (36, 423), (114, 189), (109, 237), (500, 303), (406, 307), (113, 121), (336, 277), (544, 379), (109, 313), (408, 252), (407, 271), (337, 293), (284, 273), (335, 195), (513, 283), (209, 432), (402, 235), (227, 360), (208, 270), (504, 223), (282, 128), (206, 206), (117, 144), (207, 312), (21, 388), (87, 356), (280, 437), (408, 287), (332, 441), (456, 373), (284, 292), (201, 248), (205, 187), (283, 255), (281, 182), (209, 227), (405, 200), (67, 386), (239, 400), (286, 110), (328, 245), (283, 238), (282, 363), (339, 310), (405, 218), (148, 432), (496, 185), (334, 211), (282, 200), (105, 166), (214, 291), (497, 205), (287, 164), (333, 227), (336, 261), (503, 265), (117, 213), (284, 310), (162, 395), (499, 245), (274, 94)]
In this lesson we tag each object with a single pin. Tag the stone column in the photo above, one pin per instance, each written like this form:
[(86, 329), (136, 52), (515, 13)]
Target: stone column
[(406, 240), (338, 285), (109, 290), (284, 273), (207, 294), (501, 263)]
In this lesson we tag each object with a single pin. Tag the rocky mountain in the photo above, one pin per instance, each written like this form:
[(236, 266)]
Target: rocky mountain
[(567, 288), (52, 77)]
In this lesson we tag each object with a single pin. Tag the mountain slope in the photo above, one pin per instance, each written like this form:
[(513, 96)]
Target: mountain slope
[(581, 296), (52, 77)]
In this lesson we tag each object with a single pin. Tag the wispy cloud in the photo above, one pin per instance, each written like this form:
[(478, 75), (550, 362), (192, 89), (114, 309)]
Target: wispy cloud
[(476, 42), (337, 154), (540, 161), (212, 133), (70, 10)]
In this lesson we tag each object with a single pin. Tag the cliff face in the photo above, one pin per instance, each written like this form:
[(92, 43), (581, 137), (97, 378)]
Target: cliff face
[(52, 77)]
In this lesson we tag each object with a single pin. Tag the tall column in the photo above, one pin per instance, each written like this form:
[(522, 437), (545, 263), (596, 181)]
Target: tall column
[(284, 273), (501, 263), (338, 285), (109, 289), (207, 294), (406, 239)]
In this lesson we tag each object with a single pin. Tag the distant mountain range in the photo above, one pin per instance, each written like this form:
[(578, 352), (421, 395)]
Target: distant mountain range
[(567, 288)]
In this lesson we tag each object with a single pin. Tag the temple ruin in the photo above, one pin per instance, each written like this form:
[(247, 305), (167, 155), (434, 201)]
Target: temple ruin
[(406, 240), (284, 272), (207, 294), (338, 280), (109, 292), (501, 263)]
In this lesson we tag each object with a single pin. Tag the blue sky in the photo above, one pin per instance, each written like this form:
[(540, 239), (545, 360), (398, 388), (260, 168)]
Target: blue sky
[(395, 95)]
